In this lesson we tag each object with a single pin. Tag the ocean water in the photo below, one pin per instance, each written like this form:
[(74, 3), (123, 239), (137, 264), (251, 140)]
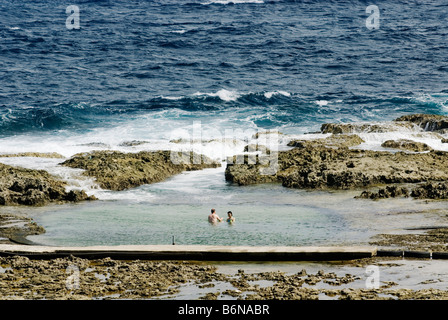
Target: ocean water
[(212, 73)]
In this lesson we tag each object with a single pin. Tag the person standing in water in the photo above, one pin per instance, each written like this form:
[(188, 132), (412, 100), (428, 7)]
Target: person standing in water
[(230, 217), (213, 217)]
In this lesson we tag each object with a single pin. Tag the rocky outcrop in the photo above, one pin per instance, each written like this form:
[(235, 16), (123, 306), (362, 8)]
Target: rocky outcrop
[(109, 279), (434, 240), (427, 190), (334, 141), (28, 187), (115, 170), (431, 190), (428, 122), (256, 147), (15, 228), (339, 128), (132, 143), (318, 166), (387, 192), (33, 154), (405, 144)]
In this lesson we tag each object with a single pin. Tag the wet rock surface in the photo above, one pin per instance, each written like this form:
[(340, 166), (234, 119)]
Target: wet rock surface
[(19, 186), (34, 154), (76, 278), (330, 163), (15, 228), (431, 190), (428, 122), (428, 190), (387, 192), (405, 144), (132, 143), (118, 171), (337, 161), (347, 128), (321, 167), (333, 141), (73, 278), (433, 240)]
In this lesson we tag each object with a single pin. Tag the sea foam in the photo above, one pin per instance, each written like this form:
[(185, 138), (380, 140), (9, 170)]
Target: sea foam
[(223, 94)]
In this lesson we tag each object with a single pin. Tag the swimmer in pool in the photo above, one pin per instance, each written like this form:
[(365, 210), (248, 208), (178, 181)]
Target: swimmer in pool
[(213, 217), (230, 217)]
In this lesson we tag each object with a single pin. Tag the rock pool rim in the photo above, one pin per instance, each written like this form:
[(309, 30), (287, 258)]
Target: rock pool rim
[(213, 253), (193, 252)]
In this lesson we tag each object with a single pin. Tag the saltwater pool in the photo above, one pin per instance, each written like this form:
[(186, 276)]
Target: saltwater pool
[(265, 215)]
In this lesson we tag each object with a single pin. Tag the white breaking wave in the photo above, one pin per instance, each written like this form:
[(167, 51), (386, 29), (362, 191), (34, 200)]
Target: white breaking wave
[(322, 102), (231, 95), (440, 100), (269, 95), (223, 94), (171, 98)]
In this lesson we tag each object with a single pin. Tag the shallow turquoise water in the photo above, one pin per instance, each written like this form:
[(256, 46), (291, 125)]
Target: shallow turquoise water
[(284, 65), (266, 214), (153, 214), (123, 222)]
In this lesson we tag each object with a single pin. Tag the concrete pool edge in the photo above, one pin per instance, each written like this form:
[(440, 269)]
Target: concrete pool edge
[(193, 252), (213, 253)]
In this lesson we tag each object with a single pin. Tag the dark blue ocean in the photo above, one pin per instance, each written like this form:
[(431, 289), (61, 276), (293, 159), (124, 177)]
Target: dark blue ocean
[(223, 58), (151, 71)]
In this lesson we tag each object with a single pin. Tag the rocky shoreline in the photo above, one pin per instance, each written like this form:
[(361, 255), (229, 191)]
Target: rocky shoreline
[(112, 170), (337, 162), (431, 240), (405, 168), (119, 171), (19, 186), (74, 278), (15, 228), (334, 162)]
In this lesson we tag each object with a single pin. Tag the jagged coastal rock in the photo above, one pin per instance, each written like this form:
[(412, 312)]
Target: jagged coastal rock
[(427, 190), (118, 171), (132, 143), (323, 167), (428, 122), (343, 168), (19, 186), (109, 279), (333, 141), (387, 192), (335, 162), (405, 144), (338, 128), (33, 154), (14, 228)]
